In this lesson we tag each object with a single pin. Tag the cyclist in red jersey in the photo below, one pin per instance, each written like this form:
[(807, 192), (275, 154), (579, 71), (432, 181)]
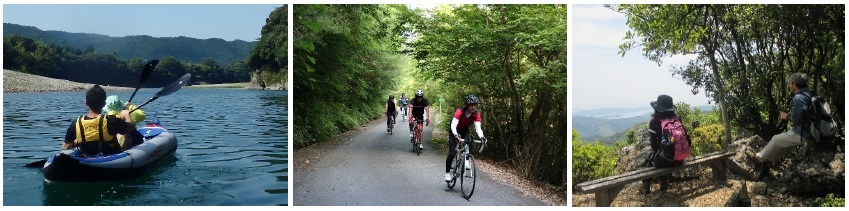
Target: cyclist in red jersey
[(463, 119)]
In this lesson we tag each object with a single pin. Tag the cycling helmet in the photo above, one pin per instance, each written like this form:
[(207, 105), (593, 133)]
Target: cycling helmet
[(472, 100), (419, 93)]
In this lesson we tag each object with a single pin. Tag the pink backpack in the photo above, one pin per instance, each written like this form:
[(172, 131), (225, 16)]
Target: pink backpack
[(673, 136)]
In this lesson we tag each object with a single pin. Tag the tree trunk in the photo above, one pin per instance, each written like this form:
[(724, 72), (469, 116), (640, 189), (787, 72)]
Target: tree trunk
[(720, 90)]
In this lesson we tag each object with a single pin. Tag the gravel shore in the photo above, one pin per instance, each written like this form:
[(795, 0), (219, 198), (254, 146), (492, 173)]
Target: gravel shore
[(18, 82), (227, 85)]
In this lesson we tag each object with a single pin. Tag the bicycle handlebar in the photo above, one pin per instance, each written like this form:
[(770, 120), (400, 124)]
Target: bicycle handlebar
[(483, 145)]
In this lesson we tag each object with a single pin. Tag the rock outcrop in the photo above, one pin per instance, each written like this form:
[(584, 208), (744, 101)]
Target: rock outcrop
[(632, 157), (809, 171)]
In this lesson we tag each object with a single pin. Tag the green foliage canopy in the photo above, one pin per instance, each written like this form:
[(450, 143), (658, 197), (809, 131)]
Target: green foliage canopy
[(591, 160), (745, 52), (514, 58), (272, 50), (346, 58)]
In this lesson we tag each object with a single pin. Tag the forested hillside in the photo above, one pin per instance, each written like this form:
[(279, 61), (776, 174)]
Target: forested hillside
[(56, 57), (140, 46), (26, 55), (271, 53)]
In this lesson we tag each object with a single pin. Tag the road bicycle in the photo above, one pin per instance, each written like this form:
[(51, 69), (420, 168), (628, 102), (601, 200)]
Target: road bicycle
[(417, 136), (465, 169), (404, 113), (390, 122)]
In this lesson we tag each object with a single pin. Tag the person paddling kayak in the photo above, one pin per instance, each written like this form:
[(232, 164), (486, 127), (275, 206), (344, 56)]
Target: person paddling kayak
[(95, 133)]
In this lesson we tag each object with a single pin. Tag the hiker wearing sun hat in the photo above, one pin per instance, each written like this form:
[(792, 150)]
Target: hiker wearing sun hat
[(669, 141)]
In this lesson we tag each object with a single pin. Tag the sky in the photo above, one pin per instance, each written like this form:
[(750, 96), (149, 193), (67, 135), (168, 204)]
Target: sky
[(602, 78), (228, 22)]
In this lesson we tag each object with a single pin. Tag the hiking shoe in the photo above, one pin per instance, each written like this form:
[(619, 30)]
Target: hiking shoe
[(448, 177), (645, 188), (754, 155), (664, 184)]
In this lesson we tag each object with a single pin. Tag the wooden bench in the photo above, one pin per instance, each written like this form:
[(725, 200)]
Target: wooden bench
[(606, 189)]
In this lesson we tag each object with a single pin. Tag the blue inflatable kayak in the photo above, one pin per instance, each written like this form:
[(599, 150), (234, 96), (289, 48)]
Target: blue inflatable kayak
[(69, 166)]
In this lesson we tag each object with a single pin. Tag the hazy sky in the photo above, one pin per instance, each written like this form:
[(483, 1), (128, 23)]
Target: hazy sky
[(601, 78), (228, 22)]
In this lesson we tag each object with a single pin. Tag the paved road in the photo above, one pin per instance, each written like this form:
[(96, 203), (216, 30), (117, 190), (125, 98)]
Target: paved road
[(375, 168)]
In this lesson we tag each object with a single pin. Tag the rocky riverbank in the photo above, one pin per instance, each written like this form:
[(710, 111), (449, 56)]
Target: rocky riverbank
[(18, 82), (227, 85)]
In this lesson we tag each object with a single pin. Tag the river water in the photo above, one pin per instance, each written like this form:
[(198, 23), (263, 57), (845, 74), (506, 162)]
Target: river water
[(232, 149)]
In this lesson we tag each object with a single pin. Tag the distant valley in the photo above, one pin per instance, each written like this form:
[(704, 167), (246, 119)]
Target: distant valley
[(592, 128), (608, 125)]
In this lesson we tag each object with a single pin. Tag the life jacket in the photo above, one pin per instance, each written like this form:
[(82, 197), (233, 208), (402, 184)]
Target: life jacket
[(137, 115), (94, 134)]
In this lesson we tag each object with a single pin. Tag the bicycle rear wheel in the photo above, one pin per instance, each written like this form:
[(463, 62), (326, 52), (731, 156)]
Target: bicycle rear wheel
[(468, 177)]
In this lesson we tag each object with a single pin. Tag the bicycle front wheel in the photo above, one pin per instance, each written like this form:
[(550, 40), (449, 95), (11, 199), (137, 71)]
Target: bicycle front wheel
[(468, 177)]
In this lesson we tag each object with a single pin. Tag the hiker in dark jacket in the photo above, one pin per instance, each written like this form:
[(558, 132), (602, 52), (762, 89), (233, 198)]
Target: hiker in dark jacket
[(784, 143), (663, 109)]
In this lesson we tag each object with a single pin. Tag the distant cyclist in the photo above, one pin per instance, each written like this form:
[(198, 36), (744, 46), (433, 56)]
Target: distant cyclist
[(463, 118), (404, 102), (391, 111), (420, 108)]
